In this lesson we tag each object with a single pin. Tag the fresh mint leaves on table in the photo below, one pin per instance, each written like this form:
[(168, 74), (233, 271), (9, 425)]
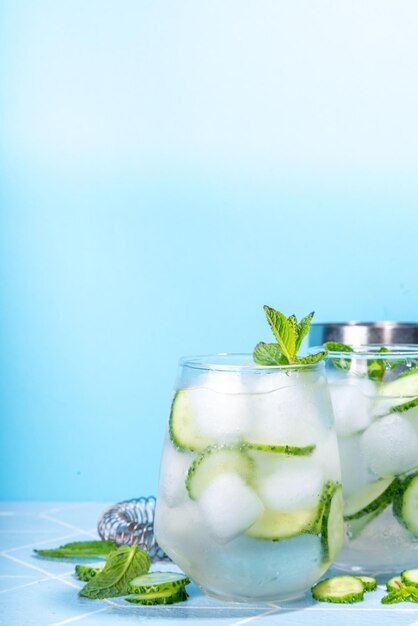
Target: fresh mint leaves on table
[(125, 566), (89, 549), (289, 334), (122, 566)]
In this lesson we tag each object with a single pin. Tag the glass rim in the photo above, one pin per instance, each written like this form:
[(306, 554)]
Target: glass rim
[(371, 351), (212, 362)]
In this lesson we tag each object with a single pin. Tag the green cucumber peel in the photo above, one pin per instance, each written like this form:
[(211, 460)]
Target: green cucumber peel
[(157, 582), (87, 572), (410, 577), (280, 449), (405, 406), (150, 599), (370, 583), (405, 503), (289, 334), (339, 590), (330, 520), (373, 498)]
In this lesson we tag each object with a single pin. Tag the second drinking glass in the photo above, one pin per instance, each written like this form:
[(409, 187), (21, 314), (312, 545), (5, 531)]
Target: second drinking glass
[(375, 399)]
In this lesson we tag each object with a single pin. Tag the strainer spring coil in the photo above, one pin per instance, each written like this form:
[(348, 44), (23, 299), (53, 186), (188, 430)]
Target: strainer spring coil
[(132, 522)]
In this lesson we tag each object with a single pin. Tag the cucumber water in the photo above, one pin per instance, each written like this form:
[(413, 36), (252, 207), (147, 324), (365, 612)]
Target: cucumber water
[(375, 402), (252, 452)]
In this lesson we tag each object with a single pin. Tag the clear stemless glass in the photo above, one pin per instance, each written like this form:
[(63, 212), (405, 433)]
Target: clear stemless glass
[(249, 501), (374, 391)]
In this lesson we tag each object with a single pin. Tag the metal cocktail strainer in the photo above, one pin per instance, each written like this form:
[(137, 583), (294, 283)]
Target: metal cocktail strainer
[(132, 522)]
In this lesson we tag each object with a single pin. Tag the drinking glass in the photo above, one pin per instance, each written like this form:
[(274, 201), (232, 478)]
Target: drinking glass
[(250, 503), (374, 391)]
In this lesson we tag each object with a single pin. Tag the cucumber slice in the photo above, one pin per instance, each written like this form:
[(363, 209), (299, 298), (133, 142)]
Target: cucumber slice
[(332, 524), (405, 406), (88, 571), (156, 582), (393, 584), (405, 504), (375, 496), (339, 589), (217, 460), (370, 583), (182, 428), (410, 577), (405, 385), (284, 449), (162, 597), (275, 525)]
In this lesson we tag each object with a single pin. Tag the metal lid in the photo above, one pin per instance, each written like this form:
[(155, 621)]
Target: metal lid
[(364, 333)]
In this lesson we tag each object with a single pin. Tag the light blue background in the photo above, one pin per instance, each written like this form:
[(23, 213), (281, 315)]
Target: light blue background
[(167, 168)]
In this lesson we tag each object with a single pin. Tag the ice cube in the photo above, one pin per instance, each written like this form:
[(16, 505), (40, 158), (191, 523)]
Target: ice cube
[(356, 473), (219, 407), (173, 472), (327, 457), (352, 404), (229, 507), (390, 445), (295, 484), (296, 415)]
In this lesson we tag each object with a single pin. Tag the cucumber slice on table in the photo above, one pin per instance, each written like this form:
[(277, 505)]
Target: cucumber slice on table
[(370, 583), (216, 460), (88, 571), (275, 525), (182, 427), (394, 583), (405, 504), (339, 589), (156, 582), (373, 497), (332, 527), (161, 597), (410, 577)]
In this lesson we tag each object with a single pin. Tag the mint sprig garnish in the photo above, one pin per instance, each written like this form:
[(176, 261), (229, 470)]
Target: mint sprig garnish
[(405, 593), (76, 549), (289, 334), (376, 368), (122, 566)]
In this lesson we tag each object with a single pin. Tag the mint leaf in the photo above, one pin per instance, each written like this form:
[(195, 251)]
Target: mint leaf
[(303, 328), (405, 593), (79, 549), (122, 565), (312, 358), (289, 334), (284, 332), (293, 321), (376, 368), (393, 596), (335, 346), (268, 354)]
